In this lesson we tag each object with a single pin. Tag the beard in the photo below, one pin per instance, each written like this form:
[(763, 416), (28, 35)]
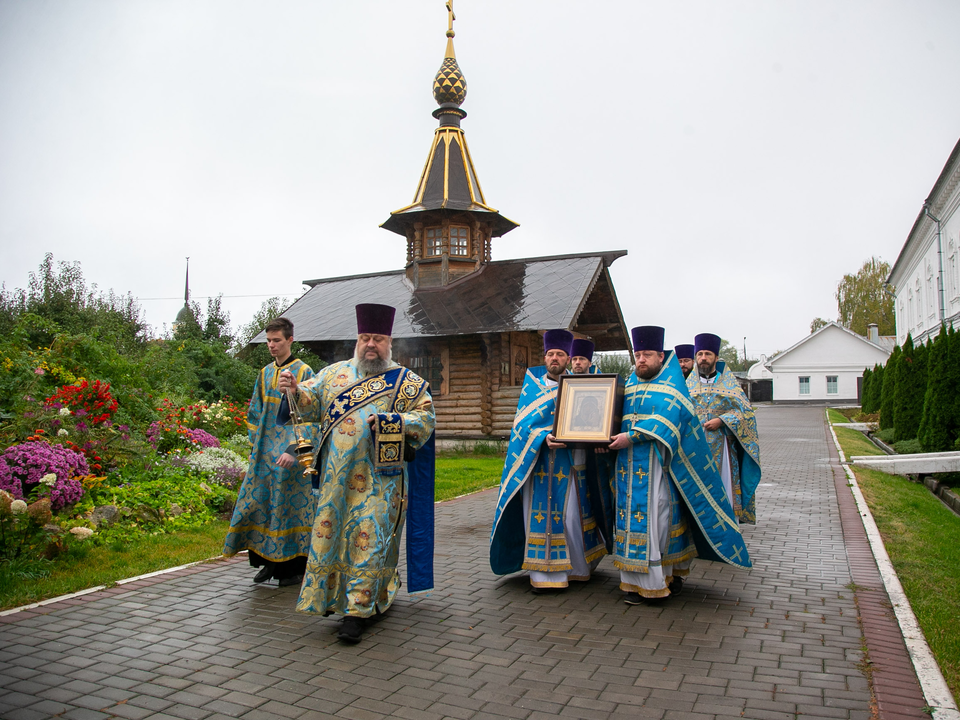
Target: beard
[(706, 368), (649, 372), (374, 366)]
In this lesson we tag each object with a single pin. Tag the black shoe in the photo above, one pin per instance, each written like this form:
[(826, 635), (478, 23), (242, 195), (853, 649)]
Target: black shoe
[(266, 572), (351, 629), (288, 581), (546, 590), (632, 598), (675, 587)]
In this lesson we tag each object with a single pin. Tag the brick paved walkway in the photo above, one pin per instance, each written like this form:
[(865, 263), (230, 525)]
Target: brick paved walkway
[(780, 641)]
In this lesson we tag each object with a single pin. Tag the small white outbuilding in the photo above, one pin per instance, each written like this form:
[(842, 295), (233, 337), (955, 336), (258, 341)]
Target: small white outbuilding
[(826, 366)]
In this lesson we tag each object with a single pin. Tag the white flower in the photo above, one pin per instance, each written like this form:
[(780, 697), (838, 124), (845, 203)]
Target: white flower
[(49, 480), (18, 506), (82, 533), (62, 432), (64, 411)]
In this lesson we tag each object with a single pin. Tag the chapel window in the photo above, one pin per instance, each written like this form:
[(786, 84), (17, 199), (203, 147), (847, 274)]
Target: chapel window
[(430, 368), (433, 241), (832, 384), (459, 240), (805, 385)]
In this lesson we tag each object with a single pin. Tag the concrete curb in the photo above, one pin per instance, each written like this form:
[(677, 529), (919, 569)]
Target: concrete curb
[(932, 683)]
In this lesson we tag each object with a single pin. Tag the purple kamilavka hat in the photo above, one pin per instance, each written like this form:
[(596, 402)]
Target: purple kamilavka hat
[(706, 341), (557, 340), (685, 352), (373, 319), (582, 348), (647, 337)]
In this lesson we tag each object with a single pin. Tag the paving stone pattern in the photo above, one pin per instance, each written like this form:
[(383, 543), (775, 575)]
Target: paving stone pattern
[(781, 641)]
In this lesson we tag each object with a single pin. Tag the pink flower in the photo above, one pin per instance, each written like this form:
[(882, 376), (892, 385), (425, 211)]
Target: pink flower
[(39, 371)]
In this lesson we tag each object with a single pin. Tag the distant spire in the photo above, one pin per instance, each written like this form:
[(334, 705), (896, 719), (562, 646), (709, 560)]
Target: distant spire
[(185, 312)]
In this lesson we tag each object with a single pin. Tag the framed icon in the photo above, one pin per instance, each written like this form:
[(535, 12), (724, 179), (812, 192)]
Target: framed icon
[(589, 408)]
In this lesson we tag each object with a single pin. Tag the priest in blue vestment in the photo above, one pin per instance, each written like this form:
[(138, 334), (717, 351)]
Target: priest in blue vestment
[(375, 470), (730, 425), (669, 504), (685, 356), (275, 507), (545, 516)]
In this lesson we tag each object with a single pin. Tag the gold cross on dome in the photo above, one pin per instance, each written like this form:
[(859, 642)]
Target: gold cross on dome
[(450, 18)]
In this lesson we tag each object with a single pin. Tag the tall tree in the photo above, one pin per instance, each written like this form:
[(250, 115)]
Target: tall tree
[(256, 356), (887, 414), (873, 393), (910, 391), (865, 389), (938, 426), (861, 299), (817, 323)]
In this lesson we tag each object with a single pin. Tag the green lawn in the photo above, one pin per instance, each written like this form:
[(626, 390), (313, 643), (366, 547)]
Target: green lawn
[(922, 538), (459, 474), (836, 417), (857, 442), (84, 568)]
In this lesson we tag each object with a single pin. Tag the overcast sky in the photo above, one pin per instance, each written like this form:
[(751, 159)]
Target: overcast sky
[(746, 154)]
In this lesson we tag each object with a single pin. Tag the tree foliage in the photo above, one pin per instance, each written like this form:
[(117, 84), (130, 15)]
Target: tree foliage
[(817, 323), (861, 299), (938, 425), (58, 293), (887, 414), (910, 390), (257, 356)]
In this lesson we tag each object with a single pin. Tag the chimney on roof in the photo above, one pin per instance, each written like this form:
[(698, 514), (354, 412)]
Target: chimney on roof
[(873, 333)]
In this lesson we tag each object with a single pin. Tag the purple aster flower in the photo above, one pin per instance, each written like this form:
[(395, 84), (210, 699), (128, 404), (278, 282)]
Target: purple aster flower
[(81, 425)]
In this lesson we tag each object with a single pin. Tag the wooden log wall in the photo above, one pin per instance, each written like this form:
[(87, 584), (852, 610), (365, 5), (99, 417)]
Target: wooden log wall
[(459, 412)]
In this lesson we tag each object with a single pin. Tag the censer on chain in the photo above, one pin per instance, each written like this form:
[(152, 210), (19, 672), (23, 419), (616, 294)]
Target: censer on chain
[(305, 450)]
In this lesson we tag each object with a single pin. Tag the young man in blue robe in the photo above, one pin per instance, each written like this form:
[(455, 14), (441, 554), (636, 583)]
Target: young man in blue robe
[(544, 521), (669, 504), (275, 508), (374, 417), (730, 425)]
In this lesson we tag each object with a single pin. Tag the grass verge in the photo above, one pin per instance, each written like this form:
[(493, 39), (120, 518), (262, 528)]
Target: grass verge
[(835, 416), (922, 538), (460, 473), (86, 567)]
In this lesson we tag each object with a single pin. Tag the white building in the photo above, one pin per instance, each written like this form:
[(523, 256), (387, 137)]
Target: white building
[(925, 279), (827, 365)]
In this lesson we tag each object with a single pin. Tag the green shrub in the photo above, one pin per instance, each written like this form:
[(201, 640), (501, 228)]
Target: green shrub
[(908, 447), (886, 435)]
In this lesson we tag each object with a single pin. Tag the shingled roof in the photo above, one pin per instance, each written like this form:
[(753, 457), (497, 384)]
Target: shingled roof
[(561, 291)]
